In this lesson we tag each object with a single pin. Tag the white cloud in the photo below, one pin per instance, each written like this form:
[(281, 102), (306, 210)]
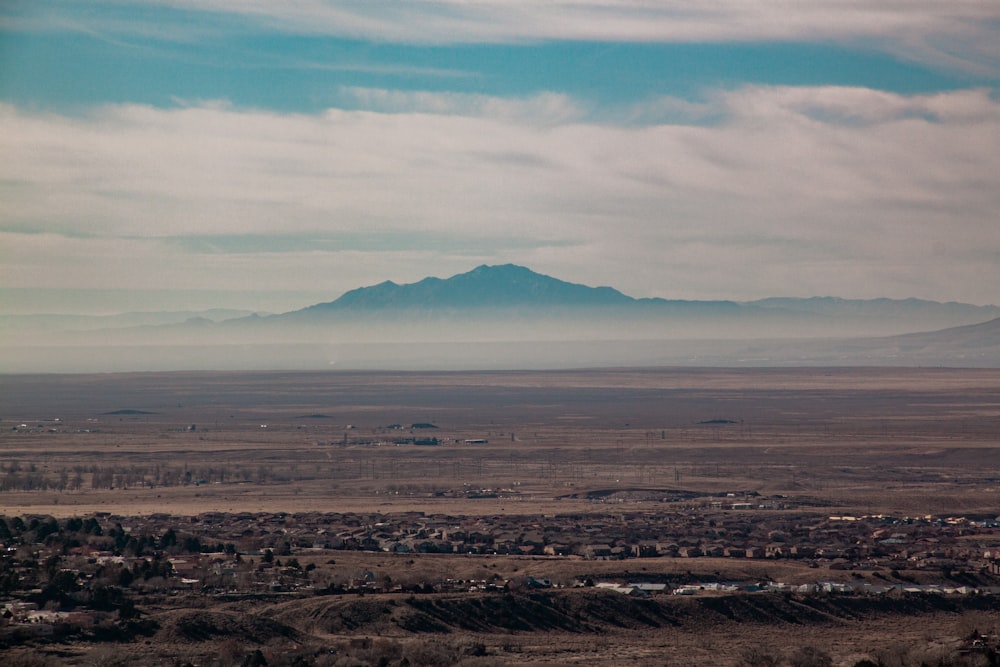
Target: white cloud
[(861, 105), (843, 191), (958, 34), (544, 108)]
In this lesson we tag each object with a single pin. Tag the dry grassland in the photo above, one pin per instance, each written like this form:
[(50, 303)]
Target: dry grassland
[(879, 440), (825, 441)]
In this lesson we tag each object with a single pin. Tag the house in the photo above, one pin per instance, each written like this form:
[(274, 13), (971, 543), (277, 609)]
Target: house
[(621, 588), (557, 549), (649, 587), (597, 551), (775, 550), (645, 549)]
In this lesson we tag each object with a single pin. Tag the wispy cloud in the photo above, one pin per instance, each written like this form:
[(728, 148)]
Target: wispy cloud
[(837, 104), (960, 34), (807, 190), (543, 108), (129, 24)]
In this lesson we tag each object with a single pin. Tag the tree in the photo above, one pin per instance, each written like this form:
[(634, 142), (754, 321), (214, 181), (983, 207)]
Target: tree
[(61, 584), (255, 659), (127, 611), (49, 527), (92, 527), (168, 539)]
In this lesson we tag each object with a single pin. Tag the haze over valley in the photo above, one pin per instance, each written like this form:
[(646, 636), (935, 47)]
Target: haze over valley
[(509, 316)]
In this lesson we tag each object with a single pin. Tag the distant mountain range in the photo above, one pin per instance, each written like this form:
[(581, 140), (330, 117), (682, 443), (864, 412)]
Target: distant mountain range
[(512, 317), (483, 287), (65, 322), (511, 287)]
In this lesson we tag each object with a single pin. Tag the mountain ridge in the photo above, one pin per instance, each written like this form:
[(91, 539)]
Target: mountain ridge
[(509, 316), (510, 286), (483, 287)]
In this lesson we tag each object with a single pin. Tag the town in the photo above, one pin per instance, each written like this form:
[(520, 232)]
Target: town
[(77, 573)]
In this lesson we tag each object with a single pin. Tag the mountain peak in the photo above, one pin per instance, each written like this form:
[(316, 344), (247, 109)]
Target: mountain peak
[(494, 269), (499, 286)]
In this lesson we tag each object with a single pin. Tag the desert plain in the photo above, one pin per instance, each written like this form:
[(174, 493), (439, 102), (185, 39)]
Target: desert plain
[(660, 516)]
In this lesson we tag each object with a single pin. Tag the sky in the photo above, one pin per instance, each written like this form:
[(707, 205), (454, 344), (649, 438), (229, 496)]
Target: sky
[(173, 154)]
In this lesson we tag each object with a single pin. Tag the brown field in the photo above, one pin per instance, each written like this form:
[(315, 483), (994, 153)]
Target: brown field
[(896, 440), (814, 442)]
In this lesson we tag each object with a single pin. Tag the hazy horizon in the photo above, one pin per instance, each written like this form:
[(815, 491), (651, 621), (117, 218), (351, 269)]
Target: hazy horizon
[(508, 317), (123, 301)]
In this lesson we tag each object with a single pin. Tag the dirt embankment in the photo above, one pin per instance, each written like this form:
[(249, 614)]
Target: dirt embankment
[(202, 626), (591, 611)]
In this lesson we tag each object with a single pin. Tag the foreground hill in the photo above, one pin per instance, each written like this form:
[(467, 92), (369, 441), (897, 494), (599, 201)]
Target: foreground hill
[(594, 611), (592, 627)]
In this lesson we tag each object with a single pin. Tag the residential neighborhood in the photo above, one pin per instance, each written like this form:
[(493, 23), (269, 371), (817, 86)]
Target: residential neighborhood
[(78, 575)]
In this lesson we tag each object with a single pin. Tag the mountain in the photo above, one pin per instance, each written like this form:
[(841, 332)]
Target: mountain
[(483, 287), (65, 322), (512, 286), (514, 303), (968, 346), (969, 341), (496, 298), (514, 296), (946, 314), (509, 316), (498, 303)]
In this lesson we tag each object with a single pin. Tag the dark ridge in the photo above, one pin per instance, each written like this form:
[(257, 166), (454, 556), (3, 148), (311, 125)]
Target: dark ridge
[(129, 412), (202, 626), (598, 612)]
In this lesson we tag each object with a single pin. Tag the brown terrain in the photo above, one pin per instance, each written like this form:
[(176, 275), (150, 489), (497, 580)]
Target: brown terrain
[(652, 517)]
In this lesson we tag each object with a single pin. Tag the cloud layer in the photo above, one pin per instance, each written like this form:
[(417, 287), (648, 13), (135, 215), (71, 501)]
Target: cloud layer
[(753, 192), (959, 34)]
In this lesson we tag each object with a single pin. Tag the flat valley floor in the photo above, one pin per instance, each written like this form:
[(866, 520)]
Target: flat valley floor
[(558, 453)]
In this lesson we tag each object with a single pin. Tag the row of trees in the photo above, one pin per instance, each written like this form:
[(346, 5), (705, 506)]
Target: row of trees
[(76, 532), (15, 478)]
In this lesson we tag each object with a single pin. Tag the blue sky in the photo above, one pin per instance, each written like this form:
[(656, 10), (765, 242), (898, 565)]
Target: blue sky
[(271, 155)]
